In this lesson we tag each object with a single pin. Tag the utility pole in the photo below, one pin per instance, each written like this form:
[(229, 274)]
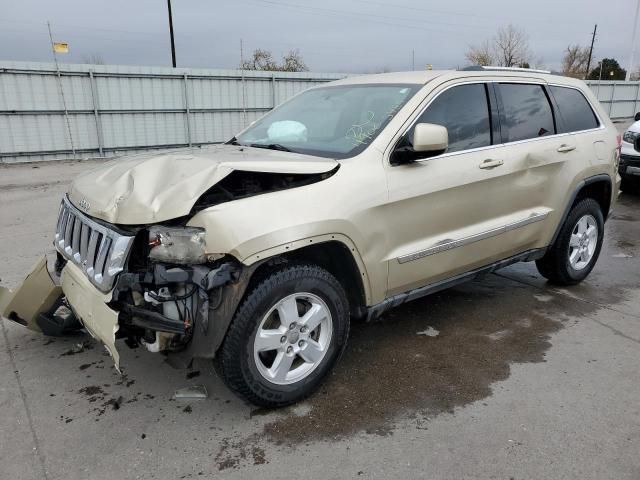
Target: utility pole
[(173, 45), (633, 42), (593, 39)]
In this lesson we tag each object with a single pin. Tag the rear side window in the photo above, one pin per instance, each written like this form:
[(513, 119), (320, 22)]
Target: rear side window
[(464, 110), (527, 111), (575, 110)]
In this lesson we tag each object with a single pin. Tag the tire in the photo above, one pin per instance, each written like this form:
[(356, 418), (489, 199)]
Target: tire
[(557, 265), (286, 294)]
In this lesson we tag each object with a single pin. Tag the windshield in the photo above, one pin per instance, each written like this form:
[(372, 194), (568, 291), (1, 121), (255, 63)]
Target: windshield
[(335, 122)]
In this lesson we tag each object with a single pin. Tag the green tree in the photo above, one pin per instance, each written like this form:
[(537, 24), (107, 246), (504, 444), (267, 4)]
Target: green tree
[(611, 70)]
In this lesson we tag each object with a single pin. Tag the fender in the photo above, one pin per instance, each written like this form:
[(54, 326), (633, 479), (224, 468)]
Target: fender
[(316, 239), (583, 183)]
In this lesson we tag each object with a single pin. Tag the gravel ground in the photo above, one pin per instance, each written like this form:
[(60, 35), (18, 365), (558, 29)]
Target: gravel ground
[(504, 378)]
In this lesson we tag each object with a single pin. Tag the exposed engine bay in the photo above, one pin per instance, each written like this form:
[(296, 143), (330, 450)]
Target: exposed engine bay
[(241, 184)]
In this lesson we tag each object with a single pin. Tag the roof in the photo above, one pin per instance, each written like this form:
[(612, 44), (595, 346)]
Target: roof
[(417, 77), (423, 77)]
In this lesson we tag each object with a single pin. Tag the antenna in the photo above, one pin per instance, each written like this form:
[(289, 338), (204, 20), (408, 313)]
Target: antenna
[(64, 102), (244, 94)]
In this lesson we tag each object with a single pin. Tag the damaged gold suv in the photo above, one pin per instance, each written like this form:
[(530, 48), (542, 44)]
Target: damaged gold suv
[(347, 200)]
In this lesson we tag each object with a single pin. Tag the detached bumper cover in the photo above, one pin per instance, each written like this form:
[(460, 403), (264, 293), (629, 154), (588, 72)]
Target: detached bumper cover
[(40, 293), (90, 306), (36, 295)]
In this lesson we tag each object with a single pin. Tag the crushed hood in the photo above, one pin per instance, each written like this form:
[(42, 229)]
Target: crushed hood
[(152, 188)]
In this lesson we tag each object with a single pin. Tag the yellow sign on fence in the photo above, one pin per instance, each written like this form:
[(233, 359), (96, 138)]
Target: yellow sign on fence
[(60, 47)]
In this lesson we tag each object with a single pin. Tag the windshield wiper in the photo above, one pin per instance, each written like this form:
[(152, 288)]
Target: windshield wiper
[(271, 146), (233, 141)]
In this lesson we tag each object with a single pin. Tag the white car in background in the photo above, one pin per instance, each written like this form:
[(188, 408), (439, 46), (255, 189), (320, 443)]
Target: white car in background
[(629, 168)]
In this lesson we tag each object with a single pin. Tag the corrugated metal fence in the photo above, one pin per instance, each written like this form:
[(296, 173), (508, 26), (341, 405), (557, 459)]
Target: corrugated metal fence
[(620, 99), (99, 110)]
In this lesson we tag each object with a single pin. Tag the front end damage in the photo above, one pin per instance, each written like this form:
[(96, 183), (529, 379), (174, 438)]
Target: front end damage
[(116, 290), (128, 265)]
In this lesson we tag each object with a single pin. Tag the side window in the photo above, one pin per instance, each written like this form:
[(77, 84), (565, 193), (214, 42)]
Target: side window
[(527, 111), (574, 109), (464, 110)]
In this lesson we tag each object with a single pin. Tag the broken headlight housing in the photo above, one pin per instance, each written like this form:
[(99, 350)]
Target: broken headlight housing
[(181, 245)]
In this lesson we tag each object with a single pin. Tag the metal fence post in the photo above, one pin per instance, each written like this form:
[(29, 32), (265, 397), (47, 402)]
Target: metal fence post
[(273, 90), (635, 102), (613, 92), (186, 108), (96, 111)]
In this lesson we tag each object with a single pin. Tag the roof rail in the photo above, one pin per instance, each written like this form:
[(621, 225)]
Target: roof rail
[(480, 68)]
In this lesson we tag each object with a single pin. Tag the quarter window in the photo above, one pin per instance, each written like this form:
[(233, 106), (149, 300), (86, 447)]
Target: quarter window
[(574, 109), (527, 112), (464, 111)]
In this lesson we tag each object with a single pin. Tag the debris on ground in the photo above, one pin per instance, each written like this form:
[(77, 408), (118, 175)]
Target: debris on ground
[(79, 348), (192, 392), (193, 374), (429, 332)]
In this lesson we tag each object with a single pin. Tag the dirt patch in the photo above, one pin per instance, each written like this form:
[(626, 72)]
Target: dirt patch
[(91, 390), (232, 454)]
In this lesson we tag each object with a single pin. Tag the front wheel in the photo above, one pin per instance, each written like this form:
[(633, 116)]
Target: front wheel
[(286, 336), (574, 254)]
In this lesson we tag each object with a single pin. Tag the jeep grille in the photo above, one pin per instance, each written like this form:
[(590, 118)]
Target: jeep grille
[(100, 252)]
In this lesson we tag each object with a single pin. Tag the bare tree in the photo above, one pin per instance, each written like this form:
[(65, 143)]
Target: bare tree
[(93, 59), (480, 55), (574, 62), (508, 48), (260, 60), (511, 47), (263, 60), (293, 62)]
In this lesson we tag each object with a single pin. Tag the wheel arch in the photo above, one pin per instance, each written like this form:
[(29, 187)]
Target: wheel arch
[(599, 187), (330, 252)]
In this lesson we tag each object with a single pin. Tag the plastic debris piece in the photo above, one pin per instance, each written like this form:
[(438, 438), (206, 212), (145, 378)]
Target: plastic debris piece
[(429, 332), (190, 393)]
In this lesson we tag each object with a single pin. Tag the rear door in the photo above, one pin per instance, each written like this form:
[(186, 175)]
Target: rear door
[(471, 206), (548, 158)]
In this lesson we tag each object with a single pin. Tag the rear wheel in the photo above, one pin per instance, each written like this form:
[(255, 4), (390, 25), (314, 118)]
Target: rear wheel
[(575, 252), (285, 337)]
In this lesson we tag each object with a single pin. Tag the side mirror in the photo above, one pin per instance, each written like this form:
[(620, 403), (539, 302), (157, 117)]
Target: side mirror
[(428, 137), (428, 140)]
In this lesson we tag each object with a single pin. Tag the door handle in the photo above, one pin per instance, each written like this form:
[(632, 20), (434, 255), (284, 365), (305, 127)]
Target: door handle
[(491, 163), (564, 148)]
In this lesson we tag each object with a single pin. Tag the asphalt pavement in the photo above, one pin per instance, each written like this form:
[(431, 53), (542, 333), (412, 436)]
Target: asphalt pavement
[(503, 378)]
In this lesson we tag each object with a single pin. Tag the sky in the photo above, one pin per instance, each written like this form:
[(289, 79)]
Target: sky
[(332, 35)]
